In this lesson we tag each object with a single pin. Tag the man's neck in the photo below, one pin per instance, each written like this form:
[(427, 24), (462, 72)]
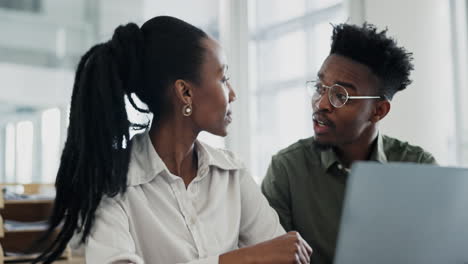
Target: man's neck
[(357, 150)]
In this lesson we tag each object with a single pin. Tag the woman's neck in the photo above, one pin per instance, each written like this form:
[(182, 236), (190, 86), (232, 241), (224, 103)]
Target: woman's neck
[(175, 143)]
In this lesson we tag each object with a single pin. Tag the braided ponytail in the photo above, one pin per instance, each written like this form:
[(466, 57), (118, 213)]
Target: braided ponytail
[(96, 155)]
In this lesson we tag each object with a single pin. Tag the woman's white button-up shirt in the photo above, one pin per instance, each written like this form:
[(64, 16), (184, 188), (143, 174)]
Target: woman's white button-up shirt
[(159, 220)]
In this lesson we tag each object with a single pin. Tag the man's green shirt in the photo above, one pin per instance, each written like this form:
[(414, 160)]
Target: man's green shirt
[(306, 185)]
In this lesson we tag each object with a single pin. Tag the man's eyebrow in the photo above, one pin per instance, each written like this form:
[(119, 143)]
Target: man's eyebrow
[(347, 85), (344, 84)]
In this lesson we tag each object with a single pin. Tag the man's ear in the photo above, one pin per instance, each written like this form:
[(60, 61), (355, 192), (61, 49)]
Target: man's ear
[(183, 91), (381, 110)]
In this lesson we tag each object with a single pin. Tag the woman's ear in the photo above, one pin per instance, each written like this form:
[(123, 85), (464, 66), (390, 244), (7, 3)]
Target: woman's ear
[(183, 91), (381, 110)]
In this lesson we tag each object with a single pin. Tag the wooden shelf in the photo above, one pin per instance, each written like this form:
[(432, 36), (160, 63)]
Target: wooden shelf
[(26, 210), (28, 202), (15, 259), (25, 231)]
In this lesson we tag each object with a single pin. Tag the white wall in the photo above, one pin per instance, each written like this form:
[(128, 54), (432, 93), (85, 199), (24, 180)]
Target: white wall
[(61, 11), (424, 113), (199, 13), (112, 13)]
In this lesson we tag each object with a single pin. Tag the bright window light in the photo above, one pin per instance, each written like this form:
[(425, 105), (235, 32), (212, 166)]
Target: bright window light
[(50, 137), (24, 151), (10, 153)]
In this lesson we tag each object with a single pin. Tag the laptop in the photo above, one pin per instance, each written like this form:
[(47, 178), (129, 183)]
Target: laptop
[(402, 213)]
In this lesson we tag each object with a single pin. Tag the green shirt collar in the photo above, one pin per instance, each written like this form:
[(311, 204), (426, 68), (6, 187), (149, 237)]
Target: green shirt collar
[(329, 158), (378, 153)]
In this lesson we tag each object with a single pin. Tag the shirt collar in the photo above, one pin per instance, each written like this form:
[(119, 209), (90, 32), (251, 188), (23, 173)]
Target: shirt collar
[(220, 158), (378, 151), (146, 164), (329, 157)]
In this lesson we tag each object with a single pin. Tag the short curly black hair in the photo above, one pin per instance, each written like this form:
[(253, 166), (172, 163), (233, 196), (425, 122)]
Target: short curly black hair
[(366, 45)]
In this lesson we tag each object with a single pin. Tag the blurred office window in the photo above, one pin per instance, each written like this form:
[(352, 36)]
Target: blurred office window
[(24, 151), (50, 144), (459, 38), (289, 41), (10, 152)]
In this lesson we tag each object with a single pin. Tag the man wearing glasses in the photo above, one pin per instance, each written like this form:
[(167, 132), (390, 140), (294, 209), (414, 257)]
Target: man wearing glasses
[(305, 182)]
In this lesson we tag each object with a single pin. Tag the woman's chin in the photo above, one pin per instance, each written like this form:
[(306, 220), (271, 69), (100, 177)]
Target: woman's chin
[(223, 133), (220, 132)]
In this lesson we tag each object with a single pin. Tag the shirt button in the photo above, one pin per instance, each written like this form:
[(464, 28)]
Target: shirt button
[(340, 166), (192, 220)]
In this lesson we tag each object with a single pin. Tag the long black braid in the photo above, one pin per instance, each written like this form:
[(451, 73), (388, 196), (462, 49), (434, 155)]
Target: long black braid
[(96, 155)]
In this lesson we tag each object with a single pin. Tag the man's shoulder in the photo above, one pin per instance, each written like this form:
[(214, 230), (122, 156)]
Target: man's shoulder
[(297, 146), (299, 149), (399, 150), (292, 162), (394, 144)]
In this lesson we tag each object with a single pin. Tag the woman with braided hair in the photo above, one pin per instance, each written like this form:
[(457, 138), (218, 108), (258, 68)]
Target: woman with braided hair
[(162, 196)]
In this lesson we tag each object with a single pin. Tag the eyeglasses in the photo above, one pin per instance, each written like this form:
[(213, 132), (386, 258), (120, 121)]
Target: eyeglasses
[(337, 94)]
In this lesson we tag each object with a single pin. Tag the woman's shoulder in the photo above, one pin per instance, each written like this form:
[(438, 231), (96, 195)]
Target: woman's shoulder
[(219, 157)]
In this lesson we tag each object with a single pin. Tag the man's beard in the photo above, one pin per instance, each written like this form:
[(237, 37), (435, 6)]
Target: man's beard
[(322, 146)]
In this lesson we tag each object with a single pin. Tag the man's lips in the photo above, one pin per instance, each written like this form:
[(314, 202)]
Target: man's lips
[(321, 120), (322, 125)]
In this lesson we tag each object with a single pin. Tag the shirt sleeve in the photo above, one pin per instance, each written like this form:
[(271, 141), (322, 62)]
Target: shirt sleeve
[(208, 260), (259, 222), (275, 187), (111, 242), (427, 158)]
